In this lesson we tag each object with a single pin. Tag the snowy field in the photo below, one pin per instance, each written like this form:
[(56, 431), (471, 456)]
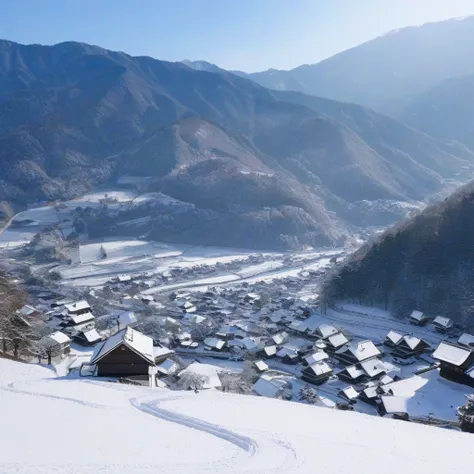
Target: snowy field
[(80, 426)]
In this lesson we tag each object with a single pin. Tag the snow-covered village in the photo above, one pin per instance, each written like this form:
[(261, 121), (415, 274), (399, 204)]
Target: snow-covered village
[(194, 318)]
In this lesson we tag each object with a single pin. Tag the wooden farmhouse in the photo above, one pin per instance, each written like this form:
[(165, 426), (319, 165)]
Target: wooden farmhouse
[(418, 318), (317, 373), (128, 352), (410, 346), (456, 363), (357, 352), (443, 324)]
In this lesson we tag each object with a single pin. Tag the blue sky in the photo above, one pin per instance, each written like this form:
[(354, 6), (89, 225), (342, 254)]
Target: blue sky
[(250, 35)]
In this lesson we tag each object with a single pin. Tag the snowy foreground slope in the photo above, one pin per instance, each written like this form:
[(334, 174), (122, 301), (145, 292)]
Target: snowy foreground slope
[(59, 425)]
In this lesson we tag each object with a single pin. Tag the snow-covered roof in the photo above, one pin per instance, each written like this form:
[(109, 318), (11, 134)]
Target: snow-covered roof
[(350, 392), (280, 338), (338, 340), (394, 404), (159, 351), (327, 330), (394, 337), (287, 351), (443, 322), (411, 341), (320, 368), (126, 318), (353, 372), (81, 318), (466, 340), (92, 335), (267, 386), (214, 343), (270, 350), (417, 315), (385, 380), (373, 367), (133, 339), (452, 354), (316, 357), (60, 337), (124, 278), (167, 367), (363, 350), (261, 365), (251, 344), (77, 306)]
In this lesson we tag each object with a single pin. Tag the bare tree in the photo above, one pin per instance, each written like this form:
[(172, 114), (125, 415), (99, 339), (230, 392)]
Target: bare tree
[(235, 383), (192, 381), (309, 395), (46, 348)]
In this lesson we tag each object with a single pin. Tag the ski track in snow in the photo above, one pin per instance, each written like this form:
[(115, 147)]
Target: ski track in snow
[(151, 407)]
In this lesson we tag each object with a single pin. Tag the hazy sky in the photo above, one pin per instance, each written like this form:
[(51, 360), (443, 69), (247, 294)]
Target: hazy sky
[(250, 35)]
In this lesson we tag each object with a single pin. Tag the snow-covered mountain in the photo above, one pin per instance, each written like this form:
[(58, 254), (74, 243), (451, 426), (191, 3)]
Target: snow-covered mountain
[(62, 425)]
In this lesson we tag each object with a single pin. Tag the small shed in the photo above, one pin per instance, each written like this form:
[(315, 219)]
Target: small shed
[(443, 324), (418, 318)]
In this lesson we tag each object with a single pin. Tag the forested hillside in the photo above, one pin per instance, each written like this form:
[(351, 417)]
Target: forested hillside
[(425, 263)]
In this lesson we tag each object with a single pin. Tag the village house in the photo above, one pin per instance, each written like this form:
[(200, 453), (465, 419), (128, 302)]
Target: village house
[(336, 342), (418, 318), (261, 366), (272, 387), (357, 352), (349, 394), (317, 373), (456, 363), (128, 352), (168, 367), (77, 308), (373, 368), (268, 351), (213, 344), (288, 355), (61, 340), (410, 346), (87, 338), (324, 331), (443, 324), (392, 338), (370, 395), (352, 374), (466, 340), (280, 338), (315, 357), (395, 406)]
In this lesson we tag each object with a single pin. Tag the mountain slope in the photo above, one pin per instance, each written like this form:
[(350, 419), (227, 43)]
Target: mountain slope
[(73, 116), (220, 432), (388, 71), (424, 263), (446, 110)]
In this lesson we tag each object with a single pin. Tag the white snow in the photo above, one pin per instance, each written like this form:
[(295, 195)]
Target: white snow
[(466, 340), (77, 306), (210, 372), (144, 431)]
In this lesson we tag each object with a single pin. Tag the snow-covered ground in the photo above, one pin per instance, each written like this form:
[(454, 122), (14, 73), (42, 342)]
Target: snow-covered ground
[(79, 426)]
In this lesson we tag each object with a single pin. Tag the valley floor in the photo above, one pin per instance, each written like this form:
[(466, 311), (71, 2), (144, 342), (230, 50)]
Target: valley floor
[(64, 425)]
